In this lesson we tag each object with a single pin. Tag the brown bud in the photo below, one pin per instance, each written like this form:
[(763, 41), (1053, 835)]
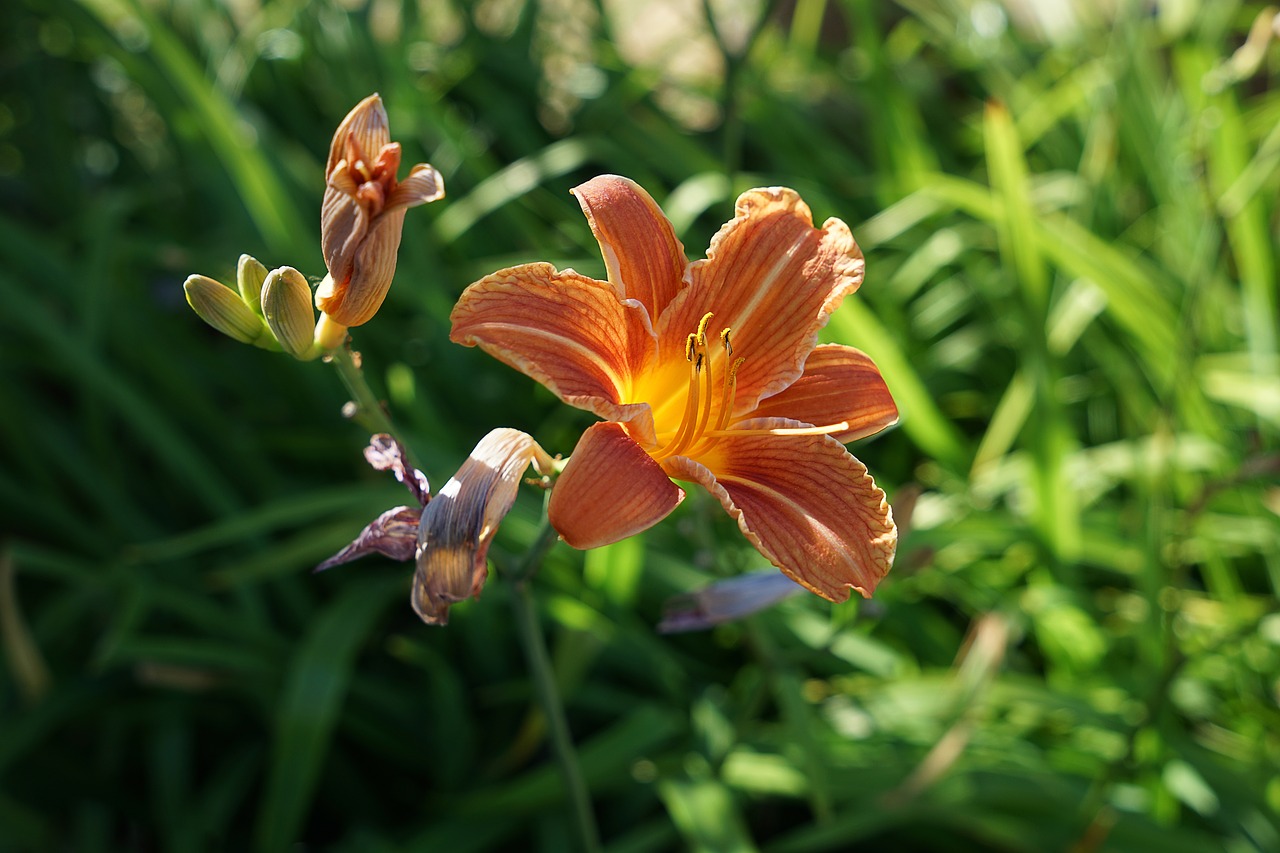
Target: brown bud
[(363, 213)]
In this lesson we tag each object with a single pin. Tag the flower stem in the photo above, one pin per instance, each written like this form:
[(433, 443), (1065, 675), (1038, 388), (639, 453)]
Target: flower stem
[(544, 683), (369, 412)]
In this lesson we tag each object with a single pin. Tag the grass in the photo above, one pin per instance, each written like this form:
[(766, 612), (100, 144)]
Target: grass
[(1071, 245)]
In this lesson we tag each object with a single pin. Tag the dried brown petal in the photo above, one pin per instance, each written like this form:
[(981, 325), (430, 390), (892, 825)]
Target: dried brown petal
[(384, 453), (461, 520), (393, 534)]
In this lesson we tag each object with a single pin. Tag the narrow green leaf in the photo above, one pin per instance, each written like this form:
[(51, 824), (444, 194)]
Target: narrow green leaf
[(706, 816), (922, 420), (307, 711)]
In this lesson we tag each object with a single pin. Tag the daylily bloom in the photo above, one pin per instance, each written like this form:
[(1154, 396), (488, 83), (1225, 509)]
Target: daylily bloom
[(363, 213), (448, 535), (708, 373)]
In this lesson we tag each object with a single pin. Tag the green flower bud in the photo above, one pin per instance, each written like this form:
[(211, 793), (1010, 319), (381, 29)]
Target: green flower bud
[(250, 274), (220, 307), (286, 305)]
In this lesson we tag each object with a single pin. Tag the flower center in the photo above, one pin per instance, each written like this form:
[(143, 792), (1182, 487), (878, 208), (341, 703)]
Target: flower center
[(700, 402), (706, 414)]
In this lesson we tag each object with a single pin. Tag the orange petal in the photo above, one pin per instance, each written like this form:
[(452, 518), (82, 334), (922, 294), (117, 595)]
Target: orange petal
[(343, 226), (644, 259), (460, 521), (806, 504), (423, 184), (609, 490), (373, 266), (562, 329), (839, 383), (772, 278), (367, 125)]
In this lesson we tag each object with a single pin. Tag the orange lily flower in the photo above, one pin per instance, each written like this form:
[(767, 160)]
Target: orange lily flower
[(708, 373)]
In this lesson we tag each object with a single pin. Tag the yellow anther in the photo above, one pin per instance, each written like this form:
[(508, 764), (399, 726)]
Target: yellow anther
[(725, 342), (702, 329)]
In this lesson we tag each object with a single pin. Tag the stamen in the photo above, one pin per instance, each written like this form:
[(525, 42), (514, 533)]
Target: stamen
[(679, 440), (702, 328), (815, 430), (727, 394)]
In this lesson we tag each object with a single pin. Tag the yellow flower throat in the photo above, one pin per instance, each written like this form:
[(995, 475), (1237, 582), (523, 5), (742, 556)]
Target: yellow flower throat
[(696, 428)]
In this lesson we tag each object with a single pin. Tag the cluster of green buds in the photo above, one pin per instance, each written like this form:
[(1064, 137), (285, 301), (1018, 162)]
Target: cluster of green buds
[(272, 310), (360, 227)]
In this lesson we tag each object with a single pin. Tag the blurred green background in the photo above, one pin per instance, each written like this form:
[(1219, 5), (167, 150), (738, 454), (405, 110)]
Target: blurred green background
[(1070, 221)]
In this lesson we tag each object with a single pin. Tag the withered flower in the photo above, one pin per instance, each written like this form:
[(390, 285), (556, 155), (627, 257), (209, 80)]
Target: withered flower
[(459, 523), (363, 213), (449, 534)]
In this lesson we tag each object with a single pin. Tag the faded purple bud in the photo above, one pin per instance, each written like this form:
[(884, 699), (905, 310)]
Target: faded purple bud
[(393, 534), (449, 535), (384, 453), (726, 600)]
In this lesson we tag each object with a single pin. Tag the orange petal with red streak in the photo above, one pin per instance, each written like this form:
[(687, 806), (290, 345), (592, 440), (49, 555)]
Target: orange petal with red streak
[(806, 504), (644, 259), (839, 384), (610, 489), (372, 267), (562, 329), (772, 278)]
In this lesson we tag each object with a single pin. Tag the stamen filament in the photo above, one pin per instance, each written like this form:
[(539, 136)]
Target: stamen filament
[(697, 411), (815, 430), (727, 394), (678, 441)]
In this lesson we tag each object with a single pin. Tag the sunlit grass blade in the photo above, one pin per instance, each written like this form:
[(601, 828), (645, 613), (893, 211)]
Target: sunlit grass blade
[(854, 324), (510, 183), (221, 124), (704, 812)]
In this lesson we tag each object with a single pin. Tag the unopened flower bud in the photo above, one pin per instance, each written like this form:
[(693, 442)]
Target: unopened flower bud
[(222, 308), (363, 213), (726, 600), (250, 274), (286, 305)]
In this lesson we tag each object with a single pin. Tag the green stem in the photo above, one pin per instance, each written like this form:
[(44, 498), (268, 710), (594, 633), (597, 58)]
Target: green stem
[(369, 411), (544, 683)]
